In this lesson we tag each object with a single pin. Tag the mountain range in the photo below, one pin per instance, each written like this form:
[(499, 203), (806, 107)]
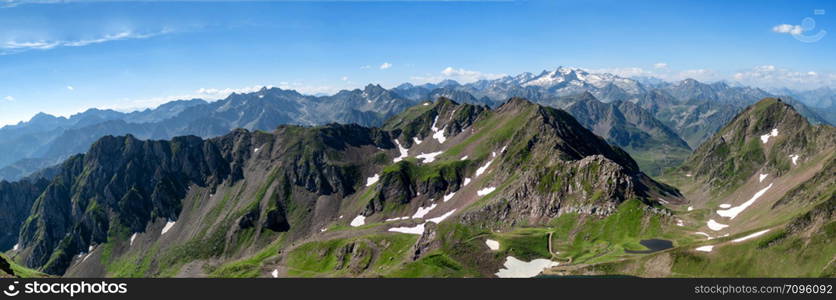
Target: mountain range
[(691, 110), (441, 189)]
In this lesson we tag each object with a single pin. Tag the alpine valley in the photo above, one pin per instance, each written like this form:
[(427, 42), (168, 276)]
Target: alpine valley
[(562, 173)]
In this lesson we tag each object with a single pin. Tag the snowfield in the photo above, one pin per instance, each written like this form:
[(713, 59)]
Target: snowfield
[(372, 180), (754, 235), (438, 134), (713, 225), (765, 137), (442, 217), (515, 268), (705, 248), (423, 211), (734, 211), (449, 196), (482, 169), (492, 244), (418, 229), (429, 157), (404, 152), (703, 233), (358, 221), (168, 226), (485, 191)]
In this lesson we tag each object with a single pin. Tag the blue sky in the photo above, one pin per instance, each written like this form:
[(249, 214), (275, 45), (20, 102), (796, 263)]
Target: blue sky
[(62, 57)]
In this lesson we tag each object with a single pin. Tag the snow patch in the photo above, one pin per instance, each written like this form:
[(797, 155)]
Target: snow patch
[(168, 226), (464, 157), (133, 237), (725, 205), (703, 233), (429, 157), (680, 223), (416, 140), (705, 248), (404, 152), (275, 273), (438, 134), (762, 177), (438, 220), (418, 229), (358, 221), (17, 246), (256, 150), (423, 211), (323, 230), (754, 235), (493, 245), (713, 225), (466, 181), (690, 208), (794, 158), (426, 103), (765, 137), (515, 268), (734, 211), (372, 180), (397, 219), (485, 191), (449, 196), (482, 169)]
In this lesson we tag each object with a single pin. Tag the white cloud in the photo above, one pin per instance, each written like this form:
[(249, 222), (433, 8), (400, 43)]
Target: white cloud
[(385, 66), (460, 75), (15, 46), (660, 65), (366, 67), (788, 29), (9, 98), (344, 78), (71, 88), (770, 76), (663, 73)]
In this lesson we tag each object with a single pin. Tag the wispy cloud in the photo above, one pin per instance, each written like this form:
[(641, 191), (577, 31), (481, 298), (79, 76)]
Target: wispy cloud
[(385, 66), (71, 88), (9, 98), (460, 75), (662, 71), (17, 46), (770, 76)]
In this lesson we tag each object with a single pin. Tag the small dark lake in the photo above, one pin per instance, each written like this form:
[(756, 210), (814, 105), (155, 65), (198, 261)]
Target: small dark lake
[(653, 245)]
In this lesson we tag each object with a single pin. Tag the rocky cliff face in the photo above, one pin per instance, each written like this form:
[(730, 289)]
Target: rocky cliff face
[(16, 200), (120, 180)]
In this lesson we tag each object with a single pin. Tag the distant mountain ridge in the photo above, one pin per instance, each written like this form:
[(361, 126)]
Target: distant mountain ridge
[(691, 109)]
